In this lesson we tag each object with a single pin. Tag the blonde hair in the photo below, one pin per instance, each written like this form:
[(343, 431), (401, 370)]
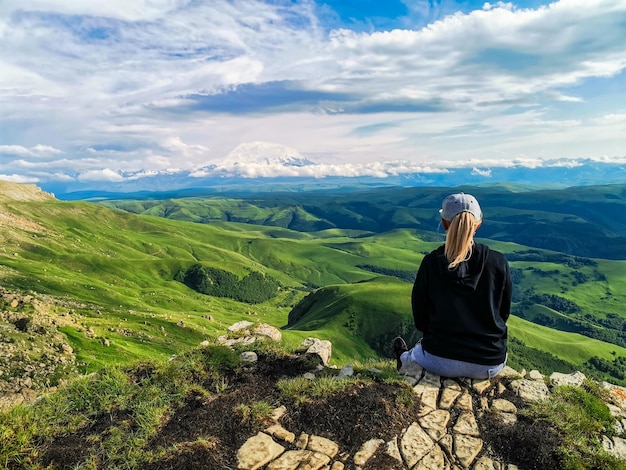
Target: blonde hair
[(460, 239)]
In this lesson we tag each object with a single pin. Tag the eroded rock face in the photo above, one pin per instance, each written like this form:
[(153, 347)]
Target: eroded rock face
[(32, 349)]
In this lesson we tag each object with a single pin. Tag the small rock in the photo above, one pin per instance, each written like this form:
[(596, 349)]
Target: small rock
[(293, 459), (448, 396), (504, 406), (467, 448), (435, 423), (268, 331), (392, 449), (466, 424), (434, 459), (280, 433), (409, 379), (367, 450), (465, 402), (508, 419), (412, 369), (258, 451), (484, 463), (249, 356), (615, 446), (302, 441), (415, 444), (323, 445), (429, 397), (575, 379), (345, 372), (241, 325), (278, 413), (481, 385), (530, 390), (318, 347)]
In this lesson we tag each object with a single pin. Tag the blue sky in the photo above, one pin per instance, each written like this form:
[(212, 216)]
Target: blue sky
[(108, 91)]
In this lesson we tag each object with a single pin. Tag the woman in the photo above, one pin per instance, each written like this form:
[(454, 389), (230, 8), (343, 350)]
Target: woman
[(461, 300)]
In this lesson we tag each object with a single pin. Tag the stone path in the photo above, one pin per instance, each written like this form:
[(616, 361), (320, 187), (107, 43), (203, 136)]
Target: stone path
[(446, 435)]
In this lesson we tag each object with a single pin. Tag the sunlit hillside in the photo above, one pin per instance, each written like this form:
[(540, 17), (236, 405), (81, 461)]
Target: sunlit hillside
[(114, 278)]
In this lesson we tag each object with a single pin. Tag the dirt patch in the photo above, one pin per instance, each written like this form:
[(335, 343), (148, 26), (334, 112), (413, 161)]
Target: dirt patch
[(354, 416), (66, 452), (206, 431), (531, 445)]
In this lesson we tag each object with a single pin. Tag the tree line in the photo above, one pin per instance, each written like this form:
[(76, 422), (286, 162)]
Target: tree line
[(253, 288)]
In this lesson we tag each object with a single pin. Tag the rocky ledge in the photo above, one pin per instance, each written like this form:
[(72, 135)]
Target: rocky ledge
[(446, 434)]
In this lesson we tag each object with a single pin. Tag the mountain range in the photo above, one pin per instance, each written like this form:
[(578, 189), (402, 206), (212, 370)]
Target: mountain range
[(267, 166)]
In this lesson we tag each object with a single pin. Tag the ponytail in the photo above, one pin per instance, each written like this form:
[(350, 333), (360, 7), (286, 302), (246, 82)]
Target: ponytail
[(460, 239)]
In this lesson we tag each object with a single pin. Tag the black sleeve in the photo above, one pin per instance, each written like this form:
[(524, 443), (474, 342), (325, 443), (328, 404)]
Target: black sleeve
[(420, 301), (505, 306)]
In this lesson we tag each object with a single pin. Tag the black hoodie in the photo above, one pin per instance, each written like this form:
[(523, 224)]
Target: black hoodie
[(463, 312)]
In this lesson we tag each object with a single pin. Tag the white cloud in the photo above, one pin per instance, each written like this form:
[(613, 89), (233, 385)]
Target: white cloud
[(100, 175), (19, 178), (479, 172), (115, 85), (130, 10), (36, 151)]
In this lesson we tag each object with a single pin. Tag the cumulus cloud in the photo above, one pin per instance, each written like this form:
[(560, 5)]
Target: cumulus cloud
[(19, 178), (105, 174), (479, 172), (36, 151), (140, 85)]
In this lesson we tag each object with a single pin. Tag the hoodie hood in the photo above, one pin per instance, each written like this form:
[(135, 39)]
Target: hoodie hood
[(466, 274)]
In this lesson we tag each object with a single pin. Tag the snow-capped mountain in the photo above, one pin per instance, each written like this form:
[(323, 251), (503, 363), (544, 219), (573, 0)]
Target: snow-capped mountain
[(263, 153)]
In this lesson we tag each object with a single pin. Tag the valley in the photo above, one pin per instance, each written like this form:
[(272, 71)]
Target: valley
[(113, 293)]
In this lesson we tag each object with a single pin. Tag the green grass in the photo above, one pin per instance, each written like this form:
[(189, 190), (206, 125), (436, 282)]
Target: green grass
[(579, 415), (300, 390), (571, 347), (118, 268), (145, 393)]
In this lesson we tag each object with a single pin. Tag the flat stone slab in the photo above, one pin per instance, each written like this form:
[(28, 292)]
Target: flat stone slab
[(415, 444), (466, 448), (367, 450), (322, 445), (435, 423), (299, 459), (466, 424), (257, 452)]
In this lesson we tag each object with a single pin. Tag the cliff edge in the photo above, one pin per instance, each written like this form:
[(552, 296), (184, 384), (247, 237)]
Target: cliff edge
[(23, 192), (242, 402)]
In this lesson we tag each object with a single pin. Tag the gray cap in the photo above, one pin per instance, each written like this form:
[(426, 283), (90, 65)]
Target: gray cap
[(456, 203)]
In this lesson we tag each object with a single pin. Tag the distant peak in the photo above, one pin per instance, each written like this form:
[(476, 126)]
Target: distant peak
[(263, 153)]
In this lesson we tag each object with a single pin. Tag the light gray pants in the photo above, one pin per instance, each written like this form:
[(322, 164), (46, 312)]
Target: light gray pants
[(449, 367)]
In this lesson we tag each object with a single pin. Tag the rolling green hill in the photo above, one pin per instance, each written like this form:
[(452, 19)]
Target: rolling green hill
[(112, 275), (582, 221)]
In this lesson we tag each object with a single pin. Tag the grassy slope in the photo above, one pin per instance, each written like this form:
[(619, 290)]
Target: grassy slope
[(122, 265), (582, 221), (571, 347)]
